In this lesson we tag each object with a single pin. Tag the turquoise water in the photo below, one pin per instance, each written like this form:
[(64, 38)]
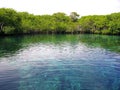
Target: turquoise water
[(60, 62)]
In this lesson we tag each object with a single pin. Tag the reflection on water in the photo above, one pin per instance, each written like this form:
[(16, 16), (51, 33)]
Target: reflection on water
[(62, 62)]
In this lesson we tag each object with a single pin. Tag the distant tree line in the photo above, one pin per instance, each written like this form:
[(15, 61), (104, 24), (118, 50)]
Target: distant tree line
[(12, 22)]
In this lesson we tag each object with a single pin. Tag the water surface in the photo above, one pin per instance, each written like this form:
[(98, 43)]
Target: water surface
[(60, 62)]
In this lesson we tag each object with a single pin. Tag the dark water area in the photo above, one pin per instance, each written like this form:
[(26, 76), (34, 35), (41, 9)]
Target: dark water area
[(60, 62)]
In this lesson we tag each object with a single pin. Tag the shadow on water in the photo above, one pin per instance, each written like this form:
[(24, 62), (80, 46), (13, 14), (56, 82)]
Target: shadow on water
[(111, 43), (10, 45)]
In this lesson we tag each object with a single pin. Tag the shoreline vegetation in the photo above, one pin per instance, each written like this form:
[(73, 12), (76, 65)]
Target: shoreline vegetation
[(20, 23)]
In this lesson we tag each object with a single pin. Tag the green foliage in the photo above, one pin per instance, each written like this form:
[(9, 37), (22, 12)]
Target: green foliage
[(12, 22), (101, 24), (106, 31), (10, 17), (9, 30)]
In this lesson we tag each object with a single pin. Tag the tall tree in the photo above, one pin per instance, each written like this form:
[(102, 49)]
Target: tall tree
[(74, 16)]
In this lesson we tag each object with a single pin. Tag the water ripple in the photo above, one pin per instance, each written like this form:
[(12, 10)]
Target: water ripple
[(60, 65)]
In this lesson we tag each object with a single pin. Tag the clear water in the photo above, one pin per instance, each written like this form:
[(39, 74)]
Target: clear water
[(60, 62)]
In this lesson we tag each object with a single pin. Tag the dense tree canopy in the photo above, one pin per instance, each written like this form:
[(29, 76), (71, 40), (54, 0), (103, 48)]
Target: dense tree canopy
[(101, 24), (12, 22)]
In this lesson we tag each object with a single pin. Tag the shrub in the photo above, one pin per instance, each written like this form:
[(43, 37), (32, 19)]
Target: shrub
[(106, 31), (8, 30)]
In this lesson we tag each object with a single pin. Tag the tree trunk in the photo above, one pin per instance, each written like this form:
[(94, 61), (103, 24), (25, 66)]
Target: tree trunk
[(1, 27)]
